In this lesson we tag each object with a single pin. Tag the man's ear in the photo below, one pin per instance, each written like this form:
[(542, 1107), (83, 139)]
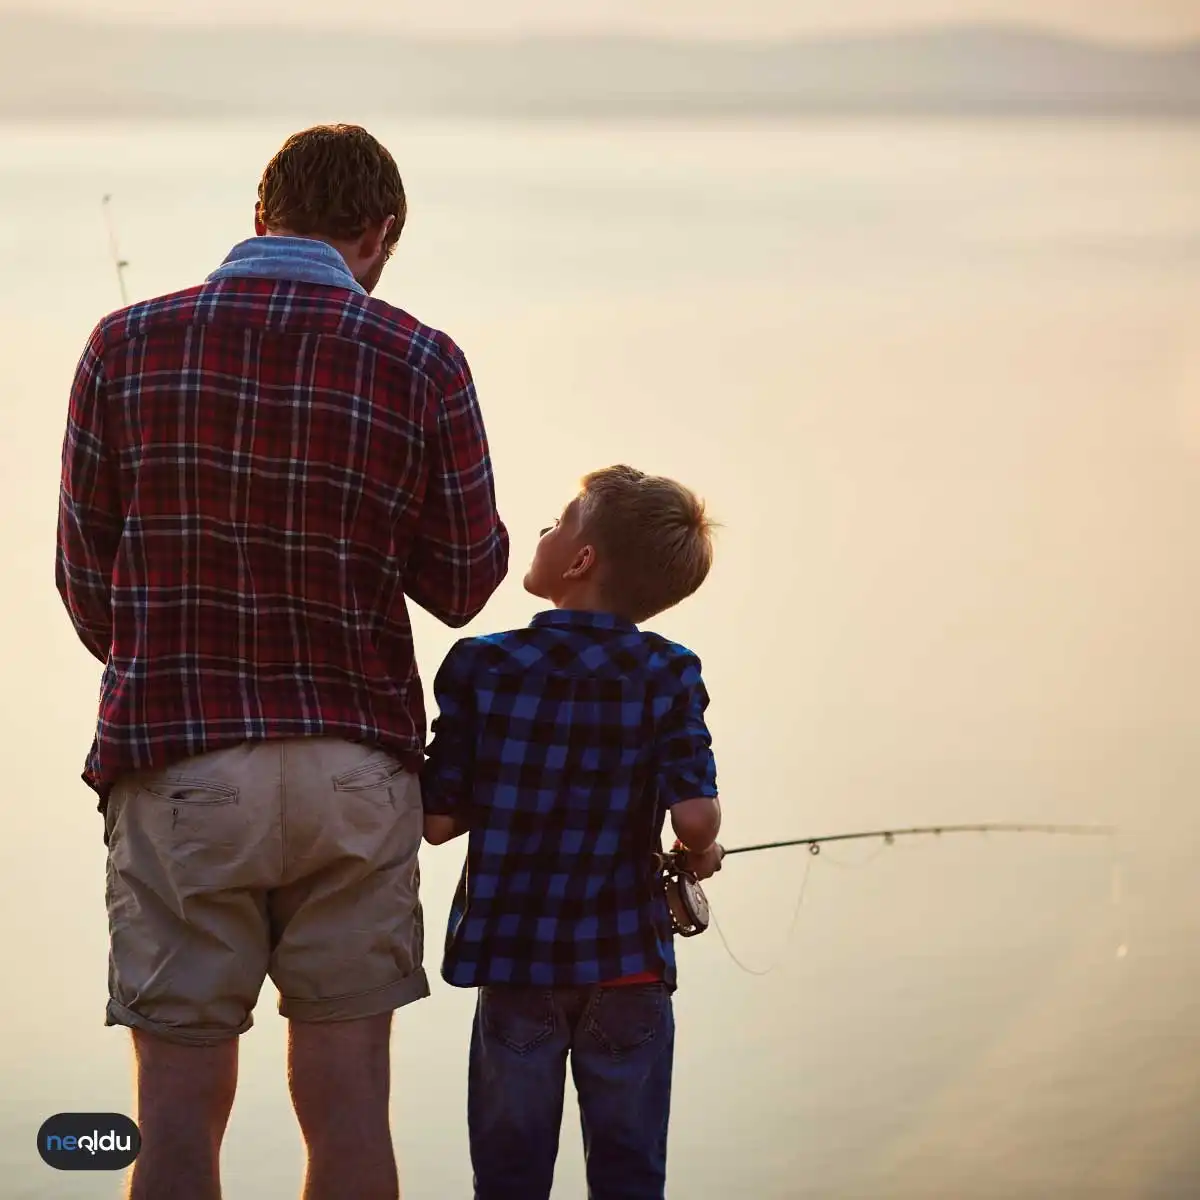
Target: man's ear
[(583, 563), (260, 226), (374, 238)]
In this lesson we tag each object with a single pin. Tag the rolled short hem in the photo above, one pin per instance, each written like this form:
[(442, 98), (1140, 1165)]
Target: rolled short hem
[(354, 1008), (181, 1035)]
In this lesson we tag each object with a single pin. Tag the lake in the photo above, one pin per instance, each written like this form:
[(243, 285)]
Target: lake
[(940, 384)]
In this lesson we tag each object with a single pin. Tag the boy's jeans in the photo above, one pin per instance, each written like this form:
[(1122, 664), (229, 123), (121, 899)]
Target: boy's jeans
[(621, 1042)]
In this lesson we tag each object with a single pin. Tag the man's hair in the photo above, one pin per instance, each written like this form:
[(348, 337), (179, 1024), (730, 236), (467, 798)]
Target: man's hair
[(653, 538), (332, 181)]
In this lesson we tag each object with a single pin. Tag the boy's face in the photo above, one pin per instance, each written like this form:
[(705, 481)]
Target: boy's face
[(563, 557)]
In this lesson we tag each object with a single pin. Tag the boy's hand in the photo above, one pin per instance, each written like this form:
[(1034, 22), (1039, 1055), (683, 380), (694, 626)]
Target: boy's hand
[(705, 863), (439, 829)]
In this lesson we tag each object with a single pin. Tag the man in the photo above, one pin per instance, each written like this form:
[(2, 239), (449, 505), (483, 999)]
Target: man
[(256, 473)]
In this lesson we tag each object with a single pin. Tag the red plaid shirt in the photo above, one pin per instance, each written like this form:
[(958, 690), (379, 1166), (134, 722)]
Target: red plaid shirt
[(255, 475)]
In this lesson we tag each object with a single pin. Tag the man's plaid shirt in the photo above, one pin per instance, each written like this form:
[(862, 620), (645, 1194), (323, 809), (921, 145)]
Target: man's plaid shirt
[(256, 473), (561, 746)]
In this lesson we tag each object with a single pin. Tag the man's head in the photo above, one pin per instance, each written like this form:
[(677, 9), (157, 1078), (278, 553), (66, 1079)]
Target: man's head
[(629, 543), (336, 184)]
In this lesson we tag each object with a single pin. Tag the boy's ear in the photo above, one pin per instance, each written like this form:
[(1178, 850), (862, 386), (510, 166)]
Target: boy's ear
[(584, 561)]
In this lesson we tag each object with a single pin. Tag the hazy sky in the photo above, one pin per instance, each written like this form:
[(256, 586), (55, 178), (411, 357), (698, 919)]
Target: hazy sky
[(1124, 19)]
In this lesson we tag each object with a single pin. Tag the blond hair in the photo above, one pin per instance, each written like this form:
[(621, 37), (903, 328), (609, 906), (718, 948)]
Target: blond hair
[(653, 537)]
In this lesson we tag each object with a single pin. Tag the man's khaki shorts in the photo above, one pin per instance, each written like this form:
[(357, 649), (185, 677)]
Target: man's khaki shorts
[(295, 859)]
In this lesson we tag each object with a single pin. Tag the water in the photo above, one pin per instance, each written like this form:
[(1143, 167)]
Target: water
[(941, 385)]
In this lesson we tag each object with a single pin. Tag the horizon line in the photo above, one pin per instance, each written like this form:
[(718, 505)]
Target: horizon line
[(908, 31)]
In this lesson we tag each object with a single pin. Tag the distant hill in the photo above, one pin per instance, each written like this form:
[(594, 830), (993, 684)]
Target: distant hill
[(51, 68)]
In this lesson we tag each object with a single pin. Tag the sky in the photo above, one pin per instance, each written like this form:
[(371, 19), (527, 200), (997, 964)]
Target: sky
[(1124, 20)]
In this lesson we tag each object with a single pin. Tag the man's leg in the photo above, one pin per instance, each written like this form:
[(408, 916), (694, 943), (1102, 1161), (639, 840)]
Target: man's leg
[(348, 940), (339, 1074), (518, 1071), (190, 851), (184, 1094), (622, 1058)]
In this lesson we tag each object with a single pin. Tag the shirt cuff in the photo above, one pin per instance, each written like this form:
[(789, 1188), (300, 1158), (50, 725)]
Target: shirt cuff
[(677, 790), (436, 803)]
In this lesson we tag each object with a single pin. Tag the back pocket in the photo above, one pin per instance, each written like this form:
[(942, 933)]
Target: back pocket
[(179, 789), (517, 1017), (625, 1018), (376, 772)]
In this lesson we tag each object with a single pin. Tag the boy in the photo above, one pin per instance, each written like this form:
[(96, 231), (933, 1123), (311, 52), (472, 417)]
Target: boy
[(559, 748)]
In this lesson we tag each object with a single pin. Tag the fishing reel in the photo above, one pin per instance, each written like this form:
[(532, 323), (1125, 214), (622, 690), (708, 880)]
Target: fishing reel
[(686, 900)]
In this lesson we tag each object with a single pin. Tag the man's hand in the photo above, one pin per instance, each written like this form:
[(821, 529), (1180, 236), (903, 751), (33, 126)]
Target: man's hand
[(705, 863)]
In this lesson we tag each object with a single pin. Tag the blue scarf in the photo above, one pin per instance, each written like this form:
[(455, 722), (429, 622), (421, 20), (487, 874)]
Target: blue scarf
[(301, 260)]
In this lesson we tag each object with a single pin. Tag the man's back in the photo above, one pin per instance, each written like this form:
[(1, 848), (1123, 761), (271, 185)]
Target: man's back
[(269, 465)]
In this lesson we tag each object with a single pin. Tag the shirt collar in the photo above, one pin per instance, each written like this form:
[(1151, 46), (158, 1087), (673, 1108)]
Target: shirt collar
[(300, 260), (570, 618)]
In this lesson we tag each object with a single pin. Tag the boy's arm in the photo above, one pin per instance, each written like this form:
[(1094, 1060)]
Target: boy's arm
[(687, 773), (697, 822), (446, 778), (439, 830)]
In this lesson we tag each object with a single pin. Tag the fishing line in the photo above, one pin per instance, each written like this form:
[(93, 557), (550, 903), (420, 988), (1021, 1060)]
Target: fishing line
[(843, 864), (787, 941), (1117, 876), (691, 913), (114, 248)]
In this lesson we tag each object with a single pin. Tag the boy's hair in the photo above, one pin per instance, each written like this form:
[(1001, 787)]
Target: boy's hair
[(332, 181), (653, 537)]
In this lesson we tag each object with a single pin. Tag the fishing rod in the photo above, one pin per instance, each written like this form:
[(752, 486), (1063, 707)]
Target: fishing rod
[(113, 247), (889, 835), (688, 904)]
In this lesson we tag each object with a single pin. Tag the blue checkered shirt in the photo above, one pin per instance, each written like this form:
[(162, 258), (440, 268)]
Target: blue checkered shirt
[(561, 746)]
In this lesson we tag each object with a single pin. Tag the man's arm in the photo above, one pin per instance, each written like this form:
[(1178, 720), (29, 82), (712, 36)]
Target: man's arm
[(687, 773), (90, 520), (460, 555), (448, 774)]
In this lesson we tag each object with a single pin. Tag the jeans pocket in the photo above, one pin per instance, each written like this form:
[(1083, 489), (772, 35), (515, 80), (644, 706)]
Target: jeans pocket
[(624, 1019), (517, 1017)]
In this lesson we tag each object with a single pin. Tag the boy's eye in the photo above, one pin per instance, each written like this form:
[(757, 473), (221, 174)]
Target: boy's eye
[(549, 528)]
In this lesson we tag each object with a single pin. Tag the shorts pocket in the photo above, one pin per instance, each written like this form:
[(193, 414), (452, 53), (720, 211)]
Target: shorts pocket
[(180, 789), (623, 1019), (374, 773), (517, 1017)]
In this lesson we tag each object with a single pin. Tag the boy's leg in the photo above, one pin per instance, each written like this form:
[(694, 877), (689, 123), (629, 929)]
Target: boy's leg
[(621, 1058), (515, 1095)]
